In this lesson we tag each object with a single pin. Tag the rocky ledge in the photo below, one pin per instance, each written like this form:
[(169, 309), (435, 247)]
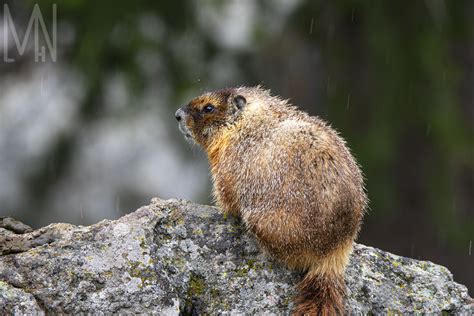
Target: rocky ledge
[(174, 257)]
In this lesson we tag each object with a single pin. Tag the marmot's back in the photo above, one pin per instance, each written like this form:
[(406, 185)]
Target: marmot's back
[(300, 181)]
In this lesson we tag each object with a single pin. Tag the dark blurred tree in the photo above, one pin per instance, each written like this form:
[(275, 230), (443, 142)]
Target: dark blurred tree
[(394, 77)]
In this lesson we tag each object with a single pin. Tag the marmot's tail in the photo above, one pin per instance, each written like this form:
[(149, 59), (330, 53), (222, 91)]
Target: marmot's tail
[(321, 294)]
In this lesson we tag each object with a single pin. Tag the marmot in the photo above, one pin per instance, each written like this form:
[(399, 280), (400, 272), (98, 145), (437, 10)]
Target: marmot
[(291, 179)]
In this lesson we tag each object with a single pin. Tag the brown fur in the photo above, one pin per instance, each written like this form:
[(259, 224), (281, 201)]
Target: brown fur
[(321, 295), (291, 179)]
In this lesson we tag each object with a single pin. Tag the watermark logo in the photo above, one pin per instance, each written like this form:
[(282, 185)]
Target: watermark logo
[(34, 24)]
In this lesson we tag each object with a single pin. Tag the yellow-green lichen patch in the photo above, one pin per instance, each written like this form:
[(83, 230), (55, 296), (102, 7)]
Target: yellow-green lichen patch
[(103, 247), (145, 273), (393, 312), (196, 289), (423, 265), (215, 293), (179, 262), (175, 262), (143, 244), (197, 232), (89, 274), (254, 264), (108, 274), (196, 286), (176, 218), (242, 272), (251, 264), (395, 263), (234, 228)]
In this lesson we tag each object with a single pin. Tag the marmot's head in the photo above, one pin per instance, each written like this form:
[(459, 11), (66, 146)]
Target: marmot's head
[(201, 118)]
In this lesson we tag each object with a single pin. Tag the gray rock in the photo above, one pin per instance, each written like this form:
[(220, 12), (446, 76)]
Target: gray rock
[(174, 257)]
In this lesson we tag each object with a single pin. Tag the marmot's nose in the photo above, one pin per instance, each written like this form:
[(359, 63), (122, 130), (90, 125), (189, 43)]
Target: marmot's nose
[(179, 114)]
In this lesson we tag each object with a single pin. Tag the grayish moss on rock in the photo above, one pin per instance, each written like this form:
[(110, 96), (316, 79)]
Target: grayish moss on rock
[(174, 257)]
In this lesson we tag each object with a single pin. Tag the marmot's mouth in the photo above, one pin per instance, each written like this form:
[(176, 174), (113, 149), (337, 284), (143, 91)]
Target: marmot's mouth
[(183, 129)]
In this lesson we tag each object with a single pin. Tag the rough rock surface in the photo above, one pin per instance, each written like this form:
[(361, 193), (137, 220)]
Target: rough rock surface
[(174, 257)]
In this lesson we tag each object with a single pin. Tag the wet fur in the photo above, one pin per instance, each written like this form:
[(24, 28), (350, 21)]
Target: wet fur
[(291, 179)]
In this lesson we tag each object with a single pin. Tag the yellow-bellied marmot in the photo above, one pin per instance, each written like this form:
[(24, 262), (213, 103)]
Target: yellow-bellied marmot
[(291, 179)]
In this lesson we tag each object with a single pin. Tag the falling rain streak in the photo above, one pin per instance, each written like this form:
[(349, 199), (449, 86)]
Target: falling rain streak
[(117, 204)]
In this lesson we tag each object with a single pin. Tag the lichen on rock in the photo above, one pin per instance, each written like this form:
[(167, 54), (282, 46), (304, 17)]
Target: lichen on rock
[(173, 257)]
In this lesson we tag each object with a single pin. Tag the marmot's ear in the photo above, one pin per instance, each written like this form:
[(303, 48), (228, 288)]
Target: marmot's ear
[(239, 101)]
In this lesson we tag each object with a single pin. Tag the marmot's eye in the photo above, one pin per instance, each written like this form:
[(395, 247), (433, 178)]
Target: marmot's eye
[(208, 108)]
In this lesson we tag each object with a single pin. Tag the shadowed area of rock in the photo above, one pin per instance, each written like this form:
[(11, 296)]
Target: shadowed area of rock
[(173, 257)]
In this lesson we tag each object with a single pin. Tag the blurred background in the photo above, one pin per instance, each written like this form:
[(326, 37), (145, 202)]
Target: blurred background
[(90, 133)]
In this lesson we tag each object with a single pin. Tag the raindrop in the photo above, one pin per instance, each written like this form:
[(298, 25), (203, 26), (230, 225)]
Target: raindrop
[(82, 211), (428, 129), (311, 27), (352, 15), (470, 246), (42, 84), (117, 204), (348, 101)]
